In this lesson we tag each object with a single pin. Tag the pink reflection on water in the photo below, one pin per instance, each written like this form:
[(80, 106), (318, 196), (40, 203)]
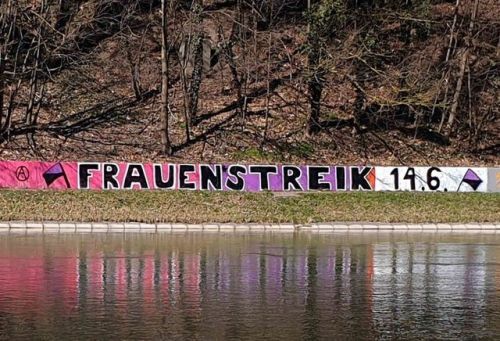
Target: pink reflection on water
[(95, 276), (191, 285), (121, 276), (165, 281), (28, 283), (250, 271)]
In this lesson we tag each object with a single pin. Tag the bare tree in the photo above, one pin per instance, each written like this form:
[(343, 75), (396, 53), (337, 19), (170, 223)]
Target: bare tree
[(5, 33), (322, 18), (8, 22), (165, 138), (268, 85), (463, 64), (198, 47)]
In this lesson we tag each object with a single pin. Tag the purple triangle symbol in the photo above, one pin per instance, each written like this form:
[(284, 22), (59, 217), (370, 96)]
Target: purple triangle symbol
[(55, 169), (471, 175), (472, 179)]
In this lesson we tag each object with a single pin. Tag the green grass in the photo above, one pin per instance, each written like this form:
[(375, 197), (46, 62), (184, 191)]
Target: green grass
[(254, 154), (302, 149), (200, 207)]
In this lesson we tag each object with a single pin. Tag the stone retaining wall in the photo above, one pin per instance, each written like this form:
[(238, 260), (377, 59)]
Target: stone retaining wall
[(65, 227)]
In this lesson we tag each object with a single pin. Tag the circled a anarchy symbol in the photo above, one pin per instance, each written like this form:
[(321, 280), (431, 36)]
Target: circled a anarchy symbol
[(22, 173)]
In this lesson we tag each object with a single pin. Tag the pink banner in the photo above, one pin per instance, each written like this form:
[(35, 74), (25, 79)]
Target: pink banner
[(236, 177), (38, 175), (217, 177)]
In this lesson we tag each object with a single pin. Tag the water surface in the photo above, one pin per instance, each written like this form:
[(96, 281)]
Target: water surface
[(249, 286)]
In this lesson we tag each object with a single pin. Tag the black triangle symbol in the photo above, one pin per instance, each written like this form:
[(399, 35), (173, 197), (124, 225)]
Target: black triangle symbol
[(473, 183)]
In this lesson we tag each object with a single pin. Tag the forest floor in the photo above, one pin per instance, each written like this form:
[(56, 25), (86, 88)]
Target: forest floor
[(223, 207), (133, 136)]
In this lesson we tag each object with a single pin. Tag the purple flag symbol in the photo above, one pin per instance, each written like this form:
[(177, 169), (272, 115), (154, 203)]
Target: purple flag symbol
[(472, 179), (54, 173)]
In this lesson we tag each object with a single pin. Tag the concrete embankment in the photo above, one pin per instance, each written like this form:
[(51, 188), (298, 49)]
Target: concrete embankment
[(110, 227)]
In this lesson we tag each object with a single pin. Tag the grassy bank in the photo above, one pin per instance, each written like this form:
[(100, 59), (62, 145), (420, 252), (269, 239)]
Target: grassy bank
[(199, 207)]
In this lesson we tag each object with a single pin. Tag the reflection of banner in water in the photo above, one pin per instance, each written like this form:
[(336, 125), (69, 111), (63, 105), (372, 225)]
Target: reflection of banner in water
[(95, 276), (273, 273), (121, 290), (17, 285), (27, 287), (346, 273), (170, 273), (223, 268), (147, 283), (250, 270), (346, 260), (326, 267), (301, 270), (63, 280), (125, 276), (191, 288), (165, 273), (369, 272)]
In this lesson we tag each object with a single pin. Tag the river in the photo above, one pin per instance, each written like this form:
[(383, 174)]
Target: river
[(287, 286)]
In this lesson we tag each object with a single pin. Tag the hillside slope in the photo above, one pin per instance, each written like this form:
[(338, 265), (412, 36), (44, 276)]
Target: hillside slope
[(82, 80)]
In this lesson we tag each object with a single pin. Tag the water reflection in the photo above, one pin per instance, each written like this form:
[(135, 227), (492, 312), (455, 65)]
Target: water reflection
[(275, 286)]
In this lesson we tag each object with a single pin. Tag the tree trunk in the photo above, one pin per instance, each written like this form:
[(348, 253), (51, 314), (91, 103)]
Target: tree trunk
[(315, 86), (36, 84), (7, 24), (2, 82), (197, 74), (268, 85), (456, 95), (463, 64), (227, 48), (165, 138)]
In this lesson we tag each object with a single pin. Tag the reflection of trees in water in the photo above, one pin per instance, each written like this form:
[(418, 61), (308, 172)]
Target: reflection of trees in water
[(423, 283), (307, 288), (311, 318)]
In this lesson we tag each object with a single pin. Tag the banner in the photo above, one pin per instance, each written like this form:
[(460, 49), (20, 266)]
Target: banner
[(237, 177)]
